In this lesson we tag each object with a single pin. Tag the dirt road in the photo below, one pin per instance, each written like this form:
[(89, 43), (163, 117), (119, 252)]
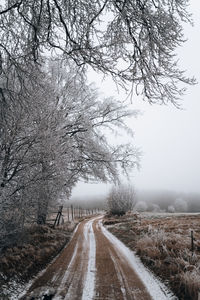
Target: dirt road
[(93, 266)]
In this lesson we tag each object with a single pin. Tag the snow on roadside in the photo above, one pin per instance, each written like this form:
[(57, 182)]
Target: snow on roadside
[(154, 286), (89, 284), (15, 289)]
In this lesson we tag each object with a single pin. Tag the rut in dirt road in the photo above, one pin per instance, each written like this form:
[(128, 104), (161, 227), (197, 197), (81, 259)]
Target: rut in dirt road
[(93, 266)]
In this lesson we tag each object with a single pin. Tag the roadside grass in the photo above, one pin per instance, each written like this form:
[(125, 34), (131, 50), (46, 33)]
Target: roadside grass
[(164, 245), (35, 248)]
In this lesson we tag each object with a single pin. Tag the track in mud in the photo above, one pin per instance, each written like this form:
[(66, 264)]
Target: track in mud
[(94, 266)]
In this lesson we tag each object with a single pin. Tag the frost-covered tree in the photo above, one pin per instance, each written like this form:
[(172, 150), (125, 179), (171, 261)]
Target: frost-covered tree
[(180, 205), (141, 206), (16, 142), (52, 137), (155, 207), (121, 199), (171, 209), (133, 41), (82, 150)]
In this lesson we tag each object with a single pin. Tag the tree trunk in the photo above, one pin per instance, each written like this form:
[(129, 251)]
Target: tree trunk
[(43, 200), (42, 210)]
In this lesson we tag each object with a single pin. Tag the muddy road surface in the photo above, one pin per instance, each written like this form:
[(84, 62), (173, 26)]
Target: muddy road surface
[(93, 266)]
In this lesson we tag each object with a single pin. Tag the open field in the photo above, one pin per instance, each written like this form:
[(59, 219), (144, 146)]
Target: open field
[(163, 242)]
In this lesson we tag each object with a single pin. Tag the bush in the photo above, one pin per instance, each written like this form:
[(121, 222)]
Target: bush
[(121, 199), (181, 205), (141, 206)]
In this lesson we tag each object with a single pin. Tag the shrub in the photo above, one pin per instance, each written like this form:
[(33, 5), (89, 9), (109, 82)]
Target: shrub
[(121, 199), (181, 205), (171, 209), (141, 206)]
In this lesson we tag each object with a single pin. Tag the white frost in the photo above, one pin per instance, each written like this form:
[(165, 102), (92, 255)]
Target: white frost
[(154, 286), (89, 284)]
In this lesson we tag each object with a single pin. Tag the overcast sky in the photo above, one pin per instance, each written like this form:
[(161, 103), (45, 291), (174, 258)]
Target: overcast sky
[(169, 138)]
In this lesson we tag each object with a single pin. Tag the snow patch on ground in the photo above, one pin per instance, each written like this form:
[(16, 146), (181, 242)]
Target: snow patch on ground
[(15, 290), (89, 284), (154, 286)]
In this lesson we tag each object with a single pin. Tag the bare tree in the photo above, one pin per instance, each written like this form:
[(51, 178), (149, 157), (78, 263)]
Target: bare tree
[(133, 41), (121, 199)]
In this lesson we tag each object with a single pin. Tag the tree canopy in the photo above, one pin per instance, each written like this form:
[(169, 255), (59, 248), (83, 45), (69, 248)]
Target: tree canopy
[(53, 136), (132, 40)]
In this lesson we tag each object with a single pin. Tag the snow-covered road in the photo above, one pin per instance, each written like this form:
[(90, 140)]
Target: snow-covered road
[(96, 265)]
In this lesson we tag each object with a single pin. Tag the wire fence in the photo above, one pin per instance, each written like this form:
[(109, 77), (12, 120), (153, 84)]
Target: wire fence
[(69, 214)]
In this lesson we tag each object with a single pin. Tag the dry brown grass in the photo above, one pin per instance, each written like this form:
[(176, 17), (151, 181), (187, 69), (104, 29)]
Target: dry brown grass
[(191, 280), (33, 251), (164, 245)]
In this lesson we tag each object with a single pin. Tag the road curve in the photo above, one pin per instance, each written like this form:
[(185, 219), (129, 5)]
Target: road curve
[(92, 266)]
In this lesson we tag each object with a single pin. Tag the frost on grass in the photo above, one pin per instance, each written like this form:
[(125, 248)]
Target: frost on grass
[(163, 242), (192, 281), (169, 250)]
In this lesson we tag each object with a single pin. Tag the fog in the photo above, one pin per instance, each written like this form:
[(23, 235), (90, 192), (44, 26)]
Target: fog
[(168, 137)]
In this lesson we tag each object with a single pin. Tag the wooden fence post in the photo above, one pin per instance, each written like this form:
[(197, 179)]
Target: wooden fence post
[(59, 214), (72, 212), (68, 214)]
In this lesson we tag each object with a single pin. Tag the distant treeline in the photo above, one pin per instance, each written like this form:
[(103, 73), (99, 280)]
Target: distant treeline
[(167, 200)]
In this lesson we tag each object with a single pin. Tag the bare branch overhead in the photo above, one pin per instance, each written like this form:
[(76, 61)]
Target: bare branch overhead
[(132, 40)]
